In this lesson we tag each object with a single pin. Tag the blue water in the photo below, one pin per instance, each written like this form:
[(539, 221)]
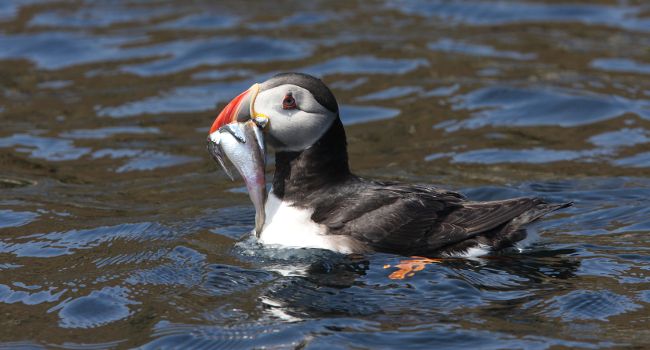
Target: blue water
[(117, 230)]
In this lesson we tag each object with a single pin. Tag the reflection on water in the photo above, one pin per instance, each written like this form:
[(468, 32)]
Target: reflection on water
[(447, 45), (507, 106), (118, 231), (621, 65), (481, 13), (364, 64), (186, 55)]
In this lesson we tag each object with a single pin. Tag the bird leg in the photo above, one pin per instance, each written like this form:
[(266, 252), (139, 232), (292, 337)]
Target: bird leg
[(408, 267)]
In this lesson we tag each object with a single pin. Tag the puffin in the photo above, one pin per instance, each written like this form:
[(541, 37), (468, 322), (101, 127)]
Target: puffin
[(315, 201)]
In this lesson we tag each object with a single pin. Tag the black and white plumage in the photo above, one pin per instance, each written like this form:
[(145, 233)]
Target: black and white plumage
[(316, 202)]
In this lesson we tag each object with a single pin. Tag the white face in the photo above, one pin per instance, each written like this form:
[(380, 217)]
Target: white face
[(295, 128)]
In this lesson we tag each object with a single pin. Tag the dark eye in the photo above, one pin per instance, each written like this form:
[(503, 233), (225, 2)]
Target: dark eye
[(289, 102)]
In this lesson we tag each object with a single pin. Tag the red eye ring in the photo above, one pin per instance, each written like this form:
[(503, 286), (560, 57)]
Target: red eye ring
[(289, 102)]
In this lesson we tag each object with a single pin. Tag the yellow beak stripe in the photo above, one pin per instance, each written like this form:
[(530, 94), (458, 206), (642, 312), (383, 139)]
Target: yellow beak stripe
[(255, 89)]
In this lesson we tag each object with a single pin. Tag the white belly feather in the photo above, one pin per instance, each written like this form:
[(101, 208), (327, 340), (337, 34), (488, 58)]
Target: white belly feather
[(292, 227)]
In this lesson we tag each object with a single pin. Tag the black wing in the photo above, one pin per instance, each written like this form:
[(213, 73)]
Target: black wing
[(388, 217), (412, 219)]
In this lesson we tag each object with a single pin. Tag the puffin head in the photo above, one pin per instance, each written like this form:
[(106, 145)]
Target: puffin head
[(293, 109)]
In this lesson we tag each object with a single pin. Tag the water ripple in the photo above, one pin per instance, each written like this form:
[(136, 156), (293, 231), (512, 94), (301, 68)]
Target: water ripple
[(365, 64), (184, 268), (45, 147), (107, 132), (504, 105), (55, 50), (31, 296), (487, 13), (64, 243), (97, 15), (364, 114), (202, 21), (190, 54), (275, 335), (602, 267), (100, 307), (621, 65), (10, 218), (621, 138), (182, 99), (226, 279), (589, 305), (451, 46)]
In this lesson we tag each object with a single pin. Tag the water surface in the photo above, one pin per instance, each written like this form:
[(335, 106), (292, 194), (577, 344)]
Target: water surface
[(117, 230)]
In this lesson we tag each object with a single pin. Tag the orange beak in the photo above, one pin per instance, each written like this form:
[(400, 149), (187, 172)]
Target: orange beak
[(231, 113)]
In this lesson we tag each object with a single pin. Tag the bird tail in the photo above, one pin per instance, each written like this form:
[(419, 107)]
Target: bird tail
[(515, 231), (540, 209), (505, 235)]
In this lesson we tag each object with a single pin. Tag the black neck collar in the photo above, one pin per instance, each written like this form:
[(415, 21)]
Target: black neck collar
[(300, 174)]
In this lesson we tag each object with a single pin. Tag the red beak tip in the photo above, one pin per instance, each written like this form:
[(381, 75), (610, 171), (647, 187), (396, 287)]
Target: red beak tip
[(229, 113)]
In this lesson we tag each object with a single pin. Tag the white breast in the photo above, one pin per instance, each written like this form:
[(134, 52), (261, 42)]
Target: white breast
[(292, 227)]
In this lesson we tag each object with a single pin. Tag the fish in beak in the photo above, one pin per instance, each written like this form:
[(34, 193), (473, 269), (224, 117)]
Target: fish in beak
[(237, 137)]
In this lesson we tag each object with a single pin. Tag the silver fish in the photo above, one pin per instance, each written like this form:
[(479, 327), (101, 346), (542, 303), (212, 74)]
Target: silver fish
[(243, 145)]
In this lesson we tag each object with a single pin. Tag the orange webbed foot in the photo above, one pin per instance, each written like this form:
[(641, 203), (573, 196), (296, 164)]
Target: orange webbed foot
[(408, 267)]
